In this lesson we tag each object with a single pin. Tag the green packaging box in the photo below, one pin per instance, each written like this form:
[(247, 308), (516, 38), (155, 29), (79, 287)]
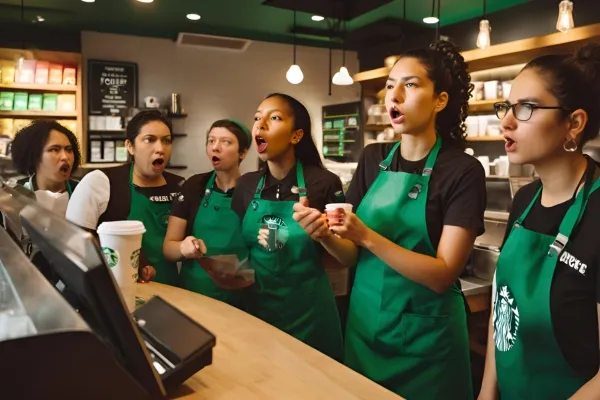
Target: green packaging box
[(50, 102), (7, 99), (20, 103), (35, 102)]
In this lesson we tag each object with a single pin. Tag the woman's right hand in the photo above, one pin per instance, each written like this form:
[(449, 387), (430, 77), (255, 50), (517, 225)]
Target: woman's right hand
[(191, 247)]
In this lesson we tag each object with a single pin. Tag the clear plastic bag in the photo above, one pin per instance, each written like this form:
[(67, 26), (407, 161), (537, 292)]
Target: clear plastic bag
[(228, 264)]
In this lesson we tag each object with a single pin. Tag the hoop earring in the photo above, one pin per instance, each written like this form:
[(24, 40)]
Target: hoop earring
[(570, 146)]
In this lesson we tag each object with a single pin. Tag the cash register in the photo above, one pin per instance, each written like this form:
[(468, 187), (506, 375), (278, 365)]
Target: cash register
[(82, 342)]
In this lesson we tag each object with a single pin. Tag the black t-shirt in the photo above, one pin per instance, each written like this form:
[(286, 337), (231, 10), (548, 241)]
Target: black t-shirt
[(457, 191), (186, 205), (575, 291), (323, 187)]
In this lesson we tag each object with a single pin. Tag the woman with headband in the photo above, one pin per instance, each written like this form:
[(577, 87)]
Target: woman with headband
[(202, 222)]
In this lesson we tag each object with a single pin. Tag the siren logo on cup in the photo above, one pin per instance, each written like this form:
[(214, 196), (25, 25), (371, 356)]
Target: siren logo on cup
[(278, 231), (135, 259), (112, 259)]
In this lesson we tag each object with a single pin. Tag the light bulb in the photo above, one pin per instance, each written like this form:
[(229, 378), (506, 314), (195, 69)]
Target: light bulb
[(342, 77), (483, 38), (431, 20), (294, 75), (565, 16)]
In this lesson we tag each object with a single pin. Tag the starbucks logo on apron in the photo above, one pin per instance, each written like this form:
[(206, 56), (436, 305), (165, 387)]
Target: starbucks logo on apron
[(135, 259), (506, 319), (112, 259), (278, 231)]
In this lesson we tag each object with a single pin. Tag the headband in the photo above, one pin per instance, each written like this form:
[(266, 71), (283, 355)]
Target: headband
[(243, 127)]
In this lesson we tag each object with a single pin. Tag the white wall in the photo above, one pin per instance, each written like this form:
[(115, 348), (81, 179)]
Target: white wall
[(217, 84)]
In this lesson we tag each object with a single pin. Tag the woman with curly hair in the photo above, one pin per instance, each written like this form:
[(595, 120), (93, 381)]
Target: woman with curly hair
[(419, 207), (48, 153)]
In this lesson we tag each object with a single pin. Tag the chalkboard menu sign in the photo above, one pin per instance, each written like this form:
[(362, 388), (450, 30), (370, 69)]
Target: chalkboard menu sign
[(112, 87)]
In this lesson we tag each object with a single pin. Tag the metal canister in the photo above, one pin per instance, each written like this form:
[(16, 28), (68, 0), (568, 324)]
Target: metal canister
[(176, 104)]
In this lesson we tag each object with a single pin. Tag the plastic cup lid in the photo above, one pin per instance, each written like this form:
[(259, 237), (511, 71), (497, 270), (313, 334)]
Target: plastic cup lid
[(121, 228), (335, 206)]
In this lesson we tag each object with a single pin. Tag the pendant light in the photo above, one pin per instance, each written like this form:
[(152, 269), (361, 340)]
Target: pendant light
[(565, 16), (342, 77), (294, 75), (431, 19), (483, 38)]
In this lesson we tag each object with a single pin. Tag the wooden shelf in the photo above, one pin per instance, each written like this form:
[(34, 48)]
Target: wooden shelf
[(483, 105), (378, 127), (510, 53), (38, 114), (100, 165), (485, 139), (39, 88), (176, 167), (524, 50)]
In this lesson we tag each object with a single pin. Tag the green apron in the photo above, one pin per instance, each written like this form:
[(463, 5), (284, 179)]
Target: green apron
[(155, 217), (292, 291), (401, 334), (219, 227), (29, 185), (529, 362)]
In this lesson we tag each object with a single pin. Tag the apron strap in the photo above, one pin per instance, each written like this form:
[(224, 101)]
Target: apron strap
[(69, 189), (210, 184), (429, 163), (575, 212), (385, 164), (299, 177)]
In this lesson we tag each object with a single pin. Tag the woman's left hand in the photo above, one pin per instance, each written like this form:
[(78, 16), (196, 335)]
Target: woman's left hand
[(351, 228), (311, 220), (147, 273)]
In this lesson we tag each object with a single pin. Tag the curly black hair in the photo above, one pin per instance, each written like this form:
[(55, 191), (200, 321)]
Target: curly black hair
[(28, 146), (448, 71), (574, 79)]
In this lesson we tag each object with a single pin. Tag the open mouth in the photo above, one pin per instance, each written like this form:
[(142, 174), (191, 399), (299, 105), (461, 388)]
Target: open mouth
[(65, 168), (510, 144), (396, 116), (215, 159), (261, 144), (158, 163)]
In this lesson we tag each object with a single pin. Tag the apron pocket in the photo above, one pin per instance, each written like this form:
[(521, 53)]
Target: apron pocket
[(428, 336)]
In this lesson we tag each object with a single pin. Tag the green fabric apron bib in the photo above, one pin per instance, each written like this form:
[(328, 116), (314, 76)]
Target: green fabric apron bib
[(399, 333), (219, 227), (529, 362), (155, 217), (292, 291)]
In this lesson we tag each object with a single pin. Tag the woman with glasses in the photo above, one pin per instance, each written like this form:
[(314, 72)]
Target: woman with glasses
[(543, 338), (419, 207)]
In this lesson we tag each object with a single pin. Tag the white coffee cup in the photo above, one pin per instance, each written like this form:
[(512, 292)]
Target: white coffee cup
[(121, 243), (330, 212)]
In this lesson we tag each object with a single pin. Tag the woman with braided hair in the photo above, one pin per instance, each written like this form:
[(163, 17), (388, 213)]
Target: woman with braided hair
[(419, 207)]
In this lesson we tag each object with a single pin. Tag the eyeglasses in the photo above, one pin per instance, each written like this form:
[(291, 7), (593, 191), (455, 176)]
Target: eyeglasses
[(521, 111)]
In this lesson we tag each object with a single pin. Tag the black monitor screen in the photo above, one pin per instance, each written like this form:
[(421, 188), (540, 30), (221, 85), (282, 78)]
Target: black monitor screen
[(76, 258)]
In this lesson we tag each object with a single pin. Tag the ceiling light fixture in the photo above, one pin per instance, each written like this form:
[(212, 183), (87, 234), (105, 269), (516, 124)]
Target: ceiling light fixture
[(432, 19), (565, 16), (145, 1), (88, 1), (193, 17), (483, 38), (342, 77), (294, 75), (317, 18), (40, 18)]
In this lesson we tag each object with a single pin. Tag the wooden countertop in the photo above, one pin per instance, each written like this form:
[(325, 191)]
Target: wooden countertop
[(254, 360)]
